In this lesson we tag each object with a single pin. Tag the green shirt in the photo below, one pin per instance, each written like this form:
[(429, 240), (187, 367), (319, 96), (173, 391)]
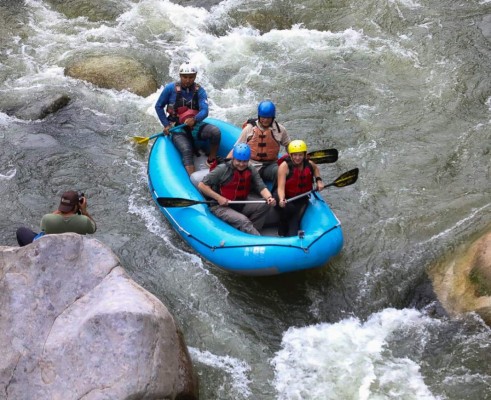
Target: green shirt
[(56, 223)]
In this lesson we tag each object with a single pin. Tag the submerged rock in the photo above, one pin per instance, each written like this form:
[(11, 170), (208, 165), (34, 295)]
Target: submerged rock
[(38, 106), (114, 72), (93, 10), (462, 282), (72, 322)]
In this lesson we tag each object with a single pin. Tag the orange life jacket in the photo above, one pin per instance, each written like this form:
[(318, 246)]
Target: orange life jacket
[(264, 146), (239, 187)]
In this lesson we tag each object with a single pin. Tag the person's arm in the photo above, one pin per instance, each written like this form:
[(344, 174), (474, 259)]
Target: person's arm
[(203, 105), (284, 136), (317, 176), (205, 186), (162, 102), (209, 192), (266, 195), (242, 138), (42, 224), (281, 181), (83, 211)]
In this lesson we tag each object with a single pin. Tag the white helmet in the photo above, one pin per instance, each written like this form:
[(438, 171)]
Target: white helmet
[(188, 68)]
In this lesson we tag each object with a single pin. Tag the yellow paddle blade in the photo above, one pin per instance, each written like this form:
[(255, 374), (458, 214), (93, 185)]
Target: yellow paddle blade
[(144, 139), (141, 139), (348, 178)]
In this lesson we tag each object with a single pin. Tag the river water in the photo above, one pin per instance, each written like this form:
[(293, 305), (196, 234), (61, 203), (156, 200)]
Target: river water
[(400, 87)]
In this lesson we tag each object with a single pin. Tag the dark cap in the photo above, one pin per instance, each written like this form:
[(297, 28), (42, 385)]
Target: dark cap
[(68, 201)]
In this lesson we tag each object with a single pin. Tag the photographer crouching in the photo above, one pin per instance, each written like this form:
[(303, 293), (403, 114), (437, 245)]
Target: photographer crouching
[(71, 216)]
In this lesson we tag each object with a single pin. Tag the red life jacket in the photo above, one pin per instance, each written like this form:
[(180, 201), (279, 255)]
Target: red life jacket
[(188, 114), (238, 187), (180, 105), (297, 182)]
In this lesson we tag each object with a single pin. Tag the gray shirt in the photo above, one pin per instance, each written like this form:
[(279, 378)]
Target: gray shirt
[(224, 172)]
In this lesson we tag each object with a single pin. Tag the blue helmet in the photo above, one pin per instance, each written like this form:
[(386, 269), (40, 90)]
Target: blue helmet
[(242, 152), (266, 109)]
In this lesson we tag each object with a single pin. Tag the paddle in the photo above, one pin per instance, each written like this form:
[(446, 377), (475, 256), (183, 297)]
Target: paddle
[(145, 139), (323, 156), (327, 156), (348, 178), (178, 202)]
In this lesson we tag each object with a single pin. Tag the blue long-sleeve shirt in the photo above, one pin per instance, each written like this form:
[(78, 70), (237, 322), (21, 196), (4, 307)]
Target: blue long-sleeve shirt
[(168, 96)]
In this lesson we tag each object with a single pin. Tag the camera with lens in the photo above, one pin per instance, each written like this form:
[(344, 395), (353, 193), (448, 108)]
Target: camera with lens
[(81, 199)]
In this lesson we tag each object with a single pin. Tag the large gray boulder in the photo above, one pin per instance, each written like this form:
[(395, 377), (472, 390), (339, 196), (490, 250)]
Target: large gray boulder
[(74, 325), (114, 72)]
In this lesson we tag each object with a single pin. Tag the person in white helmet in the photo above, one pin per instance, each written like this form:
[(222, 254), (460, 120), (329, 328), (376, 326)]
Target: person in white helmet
[(186, 102)]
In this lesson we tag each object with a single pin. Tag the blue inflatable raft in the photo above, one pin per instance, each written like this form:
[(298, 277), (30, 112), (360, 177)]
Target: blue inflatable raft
[(226, 247)]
